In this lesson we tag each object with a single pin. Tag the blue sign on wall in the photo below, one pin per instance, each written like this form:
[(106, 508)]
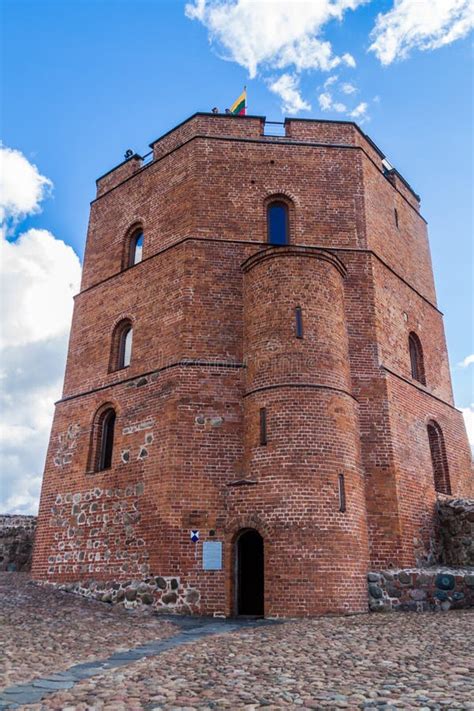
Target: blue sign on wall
[(212, 555)]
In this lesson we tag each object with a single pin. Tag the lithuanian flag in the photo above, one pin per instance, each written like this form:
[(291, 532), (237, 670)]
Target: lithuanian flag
[(240, 104)]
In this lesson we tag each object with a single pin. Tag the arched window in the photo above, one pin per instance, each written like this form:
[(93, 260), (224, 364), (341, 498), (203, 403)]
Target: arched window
[(439, 460), (135, 252), (102, 443), (133, 248), (125, 352), (107, 440), (121, 351), (416, 358), (278, 228)]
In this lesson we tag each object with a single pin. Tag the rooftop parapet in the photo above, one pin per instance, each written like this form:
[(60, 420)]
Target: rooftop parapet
[(117, 175), (310, 131), (203, 124)]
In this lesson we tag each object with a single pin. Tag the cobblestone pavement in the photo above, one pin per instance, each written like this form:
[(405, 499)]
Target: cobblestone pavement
[(43, 629), (381, 661)]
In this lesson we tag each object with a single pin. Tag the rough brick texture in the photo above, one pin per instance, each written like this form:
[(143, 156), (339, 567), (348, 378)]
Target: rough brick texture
[(213, 312)]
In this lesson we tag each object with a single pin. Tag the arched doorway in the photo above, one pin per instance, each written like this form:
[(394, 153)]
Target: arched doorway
[(249, 573)]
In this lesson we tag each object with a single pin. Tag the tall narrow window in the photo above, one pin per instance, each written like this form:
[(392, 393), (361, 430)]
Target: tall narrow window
[(263, 425), (125, 353), (342, 493), (106, 439), (439, 460), (121, 350), (136, 249), (395, 214), (277, 223), (416, 358), (102, 439), (298, 322)]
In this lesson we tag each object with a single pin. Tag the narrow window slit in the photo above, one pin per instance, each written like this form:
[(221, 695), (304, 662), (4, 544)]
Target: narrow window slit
[(263, 425), (299, 322), (342, 493)]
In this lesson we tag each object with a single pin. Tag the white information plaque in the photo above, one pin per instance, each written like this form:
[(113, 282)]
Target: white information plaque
[(212, 555)]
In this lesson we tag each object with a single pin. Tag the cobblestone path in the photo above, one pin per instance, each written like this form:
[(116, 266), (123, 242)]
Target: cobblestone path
[(396, 661)]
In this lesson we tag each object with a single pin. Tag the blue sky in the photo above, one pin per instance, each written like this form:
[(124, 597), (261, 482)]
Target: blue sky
[(82, 81)]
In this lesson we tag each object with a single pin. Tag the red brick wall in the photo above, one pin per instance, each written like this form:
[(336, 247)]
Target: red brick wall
[(313, 432), (404, 248), (214, 341)]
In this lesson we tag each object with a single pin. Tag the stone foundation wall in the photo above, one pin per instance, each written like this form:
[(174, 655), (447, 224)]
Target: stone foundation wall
[(16, 541), (456, 520), (419, 590), (160, 594)]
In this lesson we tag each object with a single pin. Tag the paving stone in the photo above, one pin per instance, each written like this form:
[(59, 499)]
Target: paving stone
[(394, 662), (28, 695), (46, 631), (53, 685)]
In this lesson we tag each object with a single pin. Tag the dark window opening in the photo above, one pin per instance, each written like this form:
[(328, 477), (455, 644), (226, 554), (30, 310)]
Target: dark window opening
[(299, 322), (342, 493), (439, 460), (121, 348), (263, 425), (395, 213), (416, 359), (106, 438), (250, 574), (277, 223)]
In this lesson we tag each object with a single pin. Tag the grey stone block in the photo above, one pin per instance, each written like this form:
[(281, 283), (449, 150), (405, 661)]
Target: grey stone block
[(373, 577), (52, 685), (445, 581), (375, 591)]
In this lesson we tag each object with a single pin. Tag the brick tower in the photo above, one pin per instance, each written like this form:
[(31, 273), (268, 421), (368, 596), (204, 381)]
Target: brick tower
[(257, 403)]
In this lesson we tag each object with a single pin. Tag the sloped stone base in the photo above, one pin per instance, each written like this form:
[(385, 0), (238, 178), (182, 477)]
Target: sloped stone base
[(421, 589), (158, 593)]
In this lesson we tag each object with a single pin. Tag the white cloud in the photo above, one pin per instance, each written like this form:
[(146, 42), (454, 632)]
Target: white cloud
[(276, 33), (349, 60), (348, 88), (468, 360), (412, 24), (468, 413), (360, 110), (331, 80), (326, 103), (311, 53), (38, 276), (22, 187), (286, 87)]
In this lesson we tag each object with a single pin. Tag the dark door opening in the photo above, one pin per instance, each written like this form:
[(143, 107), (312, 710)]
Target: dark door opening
[(250, 581)]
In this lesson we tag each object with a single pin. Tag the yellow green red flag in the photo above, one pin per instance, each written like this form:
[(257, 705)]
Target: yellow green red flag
[(239, 106)]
